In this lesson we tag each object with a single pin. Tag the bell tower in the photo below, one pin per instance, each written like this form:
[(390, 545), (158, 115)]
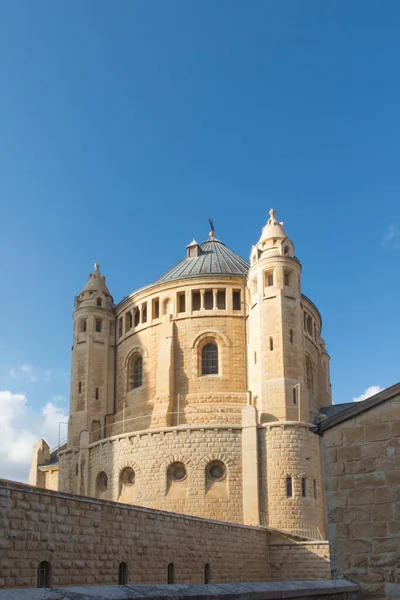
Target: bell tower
[(275, 346), (93, 351)]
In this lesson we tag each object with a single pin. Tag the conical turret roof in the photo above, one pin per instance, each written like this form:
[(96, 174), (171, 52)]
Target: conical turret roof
[(96, 282), (214, 259)]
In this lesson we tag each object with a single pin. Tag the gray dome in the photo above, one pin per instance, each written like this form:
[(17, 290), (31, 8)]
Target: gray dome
[(214, 259)]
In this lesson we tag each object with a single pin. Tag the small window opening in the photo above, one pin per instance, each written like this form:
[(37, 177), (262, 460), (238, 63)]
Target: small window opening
[(207, 573), (137, 372), (305, 321), (98, 326), (304, 487), (208, 300), (196, 300), (287, 278), (83, 325), (236, 300), (271, 343), (171, 573), (181, 302), (289, 487), (80, 387), (136, 317), (99, 302), (286, 251), (221, 299), (209, 359), (315, 488), (76, 469), (112, 328), (291, 336), (255, 358), (309, 325), (295, 395), (144, 313), (128, 321), (122, 574), (315, 330), (97, 394), (270, 279), (120, 327), (43, 574), (156, 308)]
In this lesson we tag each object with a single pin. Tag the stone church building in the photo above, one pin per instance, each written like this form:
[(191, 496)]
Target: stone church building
[(207, 394), (197, 393)]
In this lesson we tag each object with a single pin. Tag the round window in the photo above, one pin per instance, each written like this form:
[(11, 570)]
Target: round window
[(102, 482), (178, 471), (127, 476), (216, 471)]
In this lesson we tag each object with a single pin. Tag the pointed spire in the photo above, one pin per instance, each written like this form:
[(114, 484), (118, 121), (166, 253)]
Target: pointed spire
[(273, 229), (96, 282)]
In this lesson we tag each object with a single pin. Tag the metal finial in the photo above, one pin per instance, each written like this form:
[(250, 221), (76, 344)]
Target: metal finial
[(212, 228), (96, 269)]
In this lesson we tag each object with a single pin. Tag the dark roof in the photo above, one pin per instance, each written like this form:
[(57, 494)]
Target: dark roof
[(335, 409), (352, 409), (214, 259)]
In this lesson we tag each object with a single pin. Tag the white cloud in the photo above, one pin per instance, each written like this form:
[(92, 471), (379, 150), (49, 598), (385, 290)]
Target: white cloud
[(27, 372), (370, 391), (391, 239), (20, 428)]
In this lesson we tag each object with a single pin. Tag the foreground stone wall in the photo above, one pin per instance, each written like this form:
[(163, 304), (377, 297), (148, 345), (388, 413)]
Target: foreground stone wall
[(362, 456), (293, 562), (85, 540)]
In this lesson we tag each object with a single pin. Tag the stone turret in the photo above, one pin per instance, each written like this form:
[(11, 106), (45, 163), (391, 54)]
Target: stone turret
[(291, 479), (275, 348), (92, 377)]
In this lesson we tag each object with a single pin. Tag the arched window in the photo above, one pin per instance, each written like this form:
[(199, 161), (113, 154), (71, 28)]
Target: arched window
[(122, 574), (43, 574), (137, 372), (207, 573), (99, 302), (309, 375), (101, 482), (209, 359), (171, 573)]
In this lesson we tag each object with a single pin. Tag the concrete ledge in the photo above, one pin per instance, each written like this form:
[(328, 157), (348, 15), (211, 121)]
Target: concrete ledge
[(338, 589)]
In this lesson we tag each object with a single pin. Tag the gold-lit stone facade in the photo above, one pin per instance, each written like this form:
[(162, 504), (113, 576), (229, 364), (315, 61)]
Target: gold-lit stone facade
[(196, 393)]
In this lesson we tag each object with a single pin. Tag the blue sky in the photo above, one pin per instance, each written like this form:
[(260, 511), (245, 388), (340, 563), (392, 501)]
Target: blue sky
[(124, 126)]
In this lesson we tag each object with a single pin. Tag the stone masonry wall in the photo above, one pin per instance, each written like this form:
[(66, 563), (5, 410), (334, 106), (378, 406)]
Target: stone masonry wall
[(150, 454), (85, 540), (362, 457), (291, 562), (293, 451)]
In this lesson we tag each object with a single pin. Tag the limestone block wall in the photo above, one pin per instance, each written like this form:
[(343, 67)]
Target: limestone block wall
[(85, 540), (291, 562), (170, 342), (293, 451), (150, 454), (362, 462)]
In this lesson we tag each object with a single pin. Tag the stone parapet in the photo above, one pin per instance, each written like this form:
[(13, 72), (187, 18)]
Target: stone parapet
[(303, 590)]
